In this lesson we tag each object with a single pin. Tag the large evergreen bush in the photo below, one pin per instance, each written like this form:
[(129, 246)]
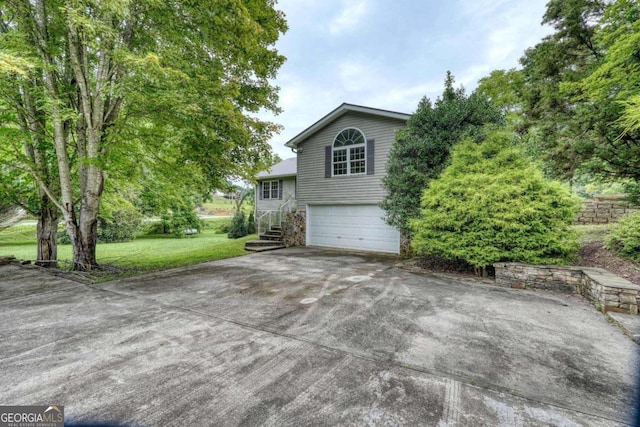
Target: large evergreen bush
[(493, 204)]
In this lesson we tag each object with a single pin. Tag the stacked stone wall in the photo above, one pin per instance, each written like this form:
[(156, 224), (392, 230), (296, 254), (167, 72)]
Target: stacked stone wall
[(603, 211), (607, 291), (554, 278), (294, 229), (610, 292)]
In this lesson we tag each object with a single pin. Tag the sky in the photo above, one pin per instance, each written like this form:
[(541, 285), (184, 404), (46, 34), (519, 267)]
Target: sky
[(389, 54)]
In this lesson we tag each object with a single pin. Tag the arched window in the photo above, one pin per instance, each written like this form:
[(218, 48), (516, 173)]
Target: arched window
[(349, 153)]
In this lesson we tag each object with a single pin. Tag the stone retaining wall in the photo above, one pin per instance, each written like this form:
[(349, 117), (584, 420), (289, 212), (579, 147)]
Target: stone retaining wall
[(554, 278), (294, 229), (603, 211), (610, 292), (607, 291)]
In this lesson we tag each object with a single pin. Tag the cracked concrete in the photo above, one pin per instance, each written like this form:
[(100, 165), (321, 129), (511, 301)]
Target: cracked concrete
[(309, 337)]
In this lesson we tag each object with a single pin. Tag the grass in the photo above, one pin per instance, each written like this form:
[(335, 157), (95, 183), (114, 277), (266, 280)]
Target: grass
[(593, 232), (144, 254)]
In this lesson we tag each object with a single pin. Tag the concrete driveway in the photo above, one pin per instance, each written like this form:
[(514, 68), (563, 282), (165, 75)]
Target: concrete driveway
[(309, 337)]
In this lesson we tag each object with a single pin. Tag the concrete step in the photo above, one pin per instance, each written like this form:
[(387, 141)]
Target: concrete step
[(276, 228), (263, 248), (271, 236), (629, 323), (263, 242)]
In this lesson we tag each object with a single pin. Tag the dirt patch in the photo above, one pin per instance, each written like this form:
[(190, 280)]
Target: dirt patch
[(594, 254), (441, 265)]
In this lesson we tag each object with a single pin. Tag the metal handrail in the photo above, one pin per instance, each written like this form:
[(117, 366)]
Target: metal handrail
[(273, 216)]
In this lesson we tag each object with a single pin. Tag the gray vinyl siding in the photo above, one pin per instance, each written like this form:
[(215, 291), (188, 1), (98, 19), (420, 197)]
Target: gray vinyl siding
[(314, 188), (288, 190)]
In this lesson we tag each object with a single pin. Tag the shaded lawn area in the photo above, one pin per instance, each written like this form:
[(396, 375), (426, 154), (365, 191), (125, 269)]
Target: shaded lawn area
[(144, 254)]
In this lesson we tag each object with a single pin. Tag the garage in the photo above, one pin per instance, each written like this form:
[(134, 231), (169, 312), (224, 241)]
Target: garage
[(351, 227)]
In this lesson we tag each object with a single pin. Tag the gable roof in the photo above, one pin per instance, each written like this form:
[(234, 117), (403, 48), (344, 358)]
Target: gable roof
[(283, 169), (342, 109)]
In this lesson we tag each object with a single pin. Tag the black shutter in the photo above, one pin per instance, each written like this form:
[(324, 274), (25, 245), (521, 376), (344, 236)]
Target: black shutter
[(327, 161), (260, 190), (371, 156), (280, 189)]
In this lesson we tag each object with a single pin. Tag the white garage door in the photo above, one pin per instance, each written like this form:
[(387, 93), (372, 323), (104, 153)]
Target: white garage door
[(351, 227)]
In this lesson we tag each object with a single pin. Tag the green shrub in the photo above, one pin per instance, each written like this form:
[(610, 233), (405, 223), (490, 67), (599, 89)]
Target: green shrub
[(180, 218), (63, 236), (238, 226), (625, 237), (119, 223), (492, 204), (251, 224), (155, 227)]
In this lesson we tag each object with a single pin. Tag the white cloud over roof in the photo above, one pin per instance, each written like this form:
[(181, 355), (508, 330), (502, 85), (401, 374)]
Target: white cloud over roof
[(389, 54)]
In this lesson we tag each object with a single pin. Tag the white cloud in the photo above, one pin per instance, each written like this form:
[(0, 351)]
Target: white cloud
[(391, 54), (356, 76), (350, 17)]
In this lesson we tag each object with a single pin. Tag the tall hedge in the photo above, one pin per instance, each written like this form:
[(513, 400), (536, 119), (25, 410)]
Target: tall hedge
[(493, 204)]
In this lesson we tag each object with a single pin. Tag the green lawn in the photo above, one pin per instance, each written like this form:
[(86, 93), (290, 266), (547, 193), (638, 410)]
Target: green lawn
[(144, 254)]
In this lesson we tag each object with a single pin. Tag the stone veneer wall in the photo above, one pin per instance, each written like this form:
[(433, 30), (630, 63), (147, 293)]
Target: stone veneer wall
[(294, 229), (607, 291), (603, 211)]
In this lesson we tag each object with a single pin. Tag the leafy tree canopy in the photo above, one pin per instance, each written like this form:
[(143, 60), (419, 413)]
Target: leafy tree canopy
[(92, 83), (580, 88)]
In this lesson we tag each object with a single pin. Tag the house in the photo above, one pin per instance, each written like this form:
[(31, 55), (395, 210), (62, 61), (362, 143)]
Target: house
[(276, 186), (337, 182)]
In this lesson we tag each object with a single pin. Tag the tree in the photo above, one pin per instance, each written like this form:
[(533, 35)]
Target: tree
[(579, 129), (107, 74), (503, 88), (611, 90), (26, 157), (421, 151), (19, 190), (492, 204)]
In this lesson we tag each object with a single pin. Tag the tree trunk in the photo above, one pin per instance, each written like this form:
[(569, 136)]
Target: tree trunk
[(84, 251), (48, 234), (84, 230)]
